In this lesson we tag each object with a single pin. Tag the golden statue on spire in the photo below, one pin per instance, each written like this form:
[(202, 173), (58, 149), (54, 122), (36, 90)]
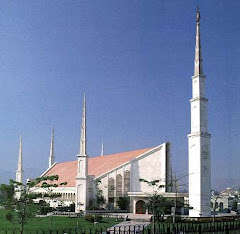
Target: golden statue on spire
[(198, 14)]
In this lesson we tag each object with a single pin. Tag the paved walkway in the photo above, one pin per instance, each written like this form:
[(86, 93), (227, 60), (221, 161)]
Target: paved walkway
[(134, 225)]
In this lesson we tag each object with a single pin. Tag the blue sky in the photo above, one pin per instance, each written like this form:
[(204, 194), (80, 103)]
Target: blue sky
[(134, 60)]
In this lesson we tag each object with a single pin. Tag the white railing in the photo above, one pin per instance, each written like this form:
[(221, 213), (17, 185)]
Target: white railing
[(105, 211)]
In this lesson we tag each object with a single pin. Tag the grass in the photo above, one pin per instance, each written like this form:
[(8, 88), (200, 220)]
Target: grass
[(56, 222)]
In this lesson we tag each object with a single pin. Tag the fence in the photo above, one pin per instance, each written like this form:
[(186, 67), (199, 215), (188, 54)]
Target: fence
[(161, 228)]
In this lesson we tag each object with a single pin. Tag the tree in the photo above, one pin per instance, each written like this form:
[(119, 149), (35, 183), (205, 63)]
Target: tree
[(156, 202), (19, 198), (215, 196), (159, 205), (100, 200), (174, 183), (234, 205), (5, 192), (123, 203)]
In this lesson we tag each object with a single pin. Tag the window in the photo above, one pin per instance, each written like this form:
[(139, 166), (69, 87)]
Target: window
[(111, 187), (119, 185), (126, 182)]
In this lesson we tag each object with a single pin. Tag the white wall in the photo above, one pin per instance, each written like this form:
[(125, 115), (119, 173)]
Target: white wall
[(150, 166)]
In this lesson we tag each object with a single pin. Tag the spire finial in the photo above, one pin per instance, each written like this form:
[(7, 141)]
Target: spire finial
[(198, 14), (19, 172), (198, 68), (51, 154), (83, 140), (102, 151)]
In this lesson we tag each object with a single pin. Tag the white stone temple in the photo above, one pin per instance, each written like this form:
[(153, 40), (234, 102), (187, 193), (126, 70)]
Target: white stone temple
[(119, 173)]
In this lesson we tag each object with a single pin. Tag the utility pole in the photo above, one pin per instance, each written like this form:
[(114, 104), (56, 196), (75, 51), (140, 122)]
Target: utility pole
[(175, 199)]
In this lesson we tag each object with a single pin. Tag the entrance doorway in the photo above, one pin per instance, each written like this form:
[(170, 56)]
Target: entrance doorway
[(140, 207)]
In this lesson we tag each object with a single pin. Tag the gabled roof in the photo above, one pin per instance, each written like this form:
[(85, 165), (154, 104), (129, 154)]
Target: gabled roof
[(67, 171)]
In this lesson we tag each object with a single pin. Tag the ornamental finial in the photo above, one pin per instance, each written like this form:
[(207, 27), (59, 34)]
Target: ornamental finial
[(198, 14)]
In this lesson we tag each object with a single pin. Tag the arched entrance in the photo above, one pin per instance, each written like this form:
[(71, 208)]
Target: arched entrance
[(140, 207)]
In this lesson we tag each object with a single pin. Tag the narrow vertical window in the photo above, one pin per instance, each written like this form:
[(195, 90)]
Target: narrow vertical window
[(126, 182), (119, 185), (111, 188)]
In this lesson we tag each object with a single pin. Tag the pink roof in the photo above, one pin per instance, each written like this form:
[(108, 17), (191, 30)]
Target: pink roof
[(67, 171)]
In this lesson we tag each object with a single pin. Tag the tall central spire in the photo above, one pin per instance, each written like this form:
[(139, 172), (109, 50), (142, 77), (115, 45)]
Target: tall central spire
[(83, 140), (199, 140), (19, 172), (198, 68)]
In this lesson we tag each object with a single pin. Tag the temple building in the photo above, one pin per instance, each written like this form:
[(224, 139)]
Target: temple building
[(118, 175)]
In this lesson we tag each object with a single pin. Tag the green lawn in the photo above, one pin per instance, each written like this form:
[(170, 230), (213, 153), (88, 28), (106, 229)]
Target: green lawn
[(56, 222)]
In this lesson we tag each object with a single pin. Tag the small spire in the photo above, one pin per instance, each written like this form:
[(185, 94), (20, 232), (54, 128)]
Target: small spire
[(83, 140), (198, 68), (19, 172), (102, 151), (51, 154)]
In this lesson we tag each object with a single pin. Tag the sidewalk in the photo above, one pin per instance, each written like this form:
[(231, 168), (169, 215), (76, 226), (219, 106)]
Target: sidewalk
[(132, 223), (140, 217)]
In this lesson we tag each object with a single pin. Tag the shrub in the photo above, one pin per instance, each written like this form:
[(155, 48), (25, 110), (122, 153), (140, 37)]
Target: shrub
[(170, 218), (89, 218), (123, 203), (46, 209), (70, 208), (98, 218), (93, 218)]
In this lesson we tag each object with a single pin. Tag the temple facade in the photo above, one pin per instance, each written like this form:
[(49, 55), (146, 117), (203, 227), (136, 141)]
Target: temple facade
[(116, 175)]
